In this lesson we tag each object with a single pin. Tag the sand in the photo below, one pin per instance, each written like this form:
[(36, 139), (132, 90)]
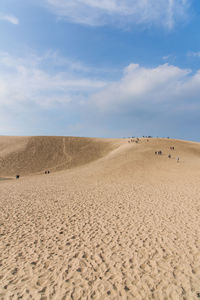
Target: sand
[(28, 155), (123, 226)]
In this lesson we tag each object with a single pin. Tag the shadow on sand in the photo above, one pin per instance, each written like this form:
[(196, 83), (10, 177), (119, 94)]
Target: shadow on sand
[(2, 178)]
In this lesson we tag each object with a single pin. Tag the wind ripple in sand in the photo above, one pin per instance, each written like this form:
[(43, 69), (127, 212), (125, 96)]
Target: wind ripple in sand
[(113, 242), (81, 235)]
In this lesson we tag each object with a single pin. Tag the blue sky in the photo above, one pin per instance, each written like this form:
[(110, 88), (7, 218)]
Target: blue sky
[(104, 68)]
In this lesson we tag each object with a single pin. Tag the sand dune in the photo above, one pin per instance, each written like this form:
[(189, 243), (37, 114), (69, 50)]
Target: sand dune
[(123, 224), (29, 155)]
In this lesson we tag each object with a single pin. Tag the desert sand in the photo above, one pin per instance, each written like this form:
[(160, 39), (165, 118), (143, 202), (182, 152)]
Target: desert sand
[(112, 220)]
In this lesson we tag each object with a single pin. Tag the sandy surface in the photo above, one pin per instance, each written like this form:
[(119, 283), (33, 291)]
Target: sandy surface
[(126, 226), (28, 155)]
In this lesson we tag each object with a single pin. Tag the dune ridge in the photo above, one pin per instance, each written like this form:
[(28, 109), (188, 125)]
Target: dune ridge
[(29, 155), (123, 226)]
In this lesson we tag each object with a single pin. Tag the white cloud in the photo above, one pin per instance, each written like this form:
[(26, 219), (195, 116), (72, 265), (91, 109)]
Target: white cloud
[(35, 86), (50, 80), (195, 54), (102, 12), (150, 89), (166, 57), (29, 80), (9, 18)]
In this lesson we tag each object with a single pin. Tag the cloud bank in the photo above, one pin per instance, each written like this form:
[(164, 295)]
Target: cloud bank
[(102, 12), (51, 80), (49, 86), (166, 88)]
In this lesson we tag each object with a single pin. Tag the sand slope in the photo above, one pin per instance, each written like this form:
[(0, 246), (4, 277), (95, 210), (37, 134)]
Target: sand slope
[(125, 226), (28, 155)]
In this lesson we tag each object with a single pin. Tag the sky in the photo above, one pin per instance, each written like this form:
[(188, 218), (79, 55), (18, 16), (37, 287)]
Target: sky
[(100, 68)]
